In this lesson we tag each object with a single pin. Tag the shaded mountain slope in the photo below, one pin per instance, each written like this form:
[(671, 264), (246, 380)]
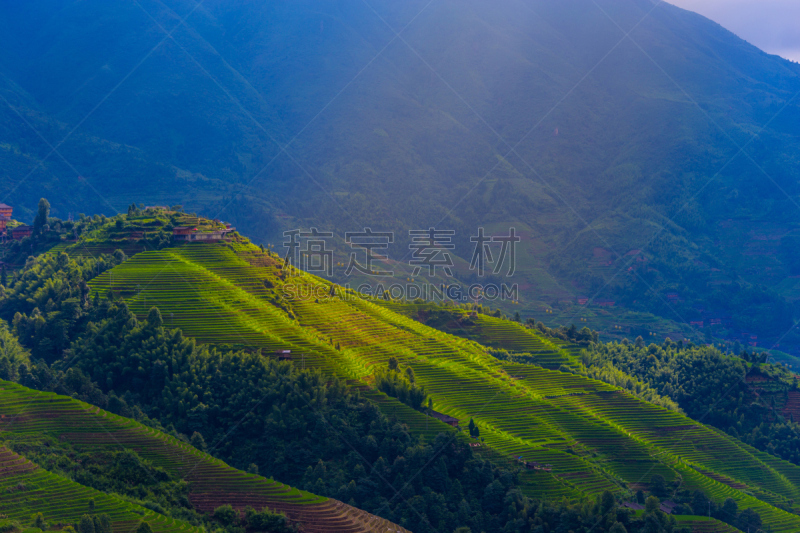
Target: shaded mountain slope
[(536, 114)]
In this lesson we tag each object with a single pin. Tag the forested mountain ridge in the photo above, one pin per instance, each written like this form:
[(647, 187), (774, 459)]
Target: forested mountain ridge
[(675, 145), (550, 421)]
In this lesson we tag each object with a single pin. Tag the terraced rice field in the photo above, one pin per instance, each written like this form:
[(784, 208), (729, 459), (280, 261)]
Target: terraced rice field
[(418, 423), (26, 489), (594, 436), (497, 333), (703, 524), (27, 413), (218, 297)]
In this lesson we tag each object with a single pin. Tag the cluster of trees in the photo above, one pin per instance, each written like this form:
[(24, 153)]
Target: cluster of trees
[(708, 385), (474, 430), (92, 523), (45, 231), (121, 472), (252, 520), (571, 333), (12, 354), (401, 383), (48, 300), (89, 523), (602, 371), (697, 503)]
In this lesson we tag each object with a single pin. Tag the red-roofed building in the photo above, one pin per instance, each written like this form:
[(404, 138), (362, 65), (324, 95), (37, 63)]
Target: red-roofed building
[(182, 231), (284, 355), (5, 217), (447, 419), (187, 233), (20, 232)]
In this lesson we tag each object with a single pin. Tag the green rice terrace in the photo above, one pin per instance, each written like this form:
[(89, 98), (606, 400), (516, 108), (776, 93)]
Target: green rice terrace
[(27, 415), (26, 489), (589, 436)]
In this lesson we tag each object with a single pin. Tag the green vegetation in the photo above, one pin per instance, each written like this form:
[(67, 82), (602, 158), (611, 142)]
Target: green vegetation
[(183, 338), (27, 490), (401, 383), (737, 394), (168, 477), (581, 435)]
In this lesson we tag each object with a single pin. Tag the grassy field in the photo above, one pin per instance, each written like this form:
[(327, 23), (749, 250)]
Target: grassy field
[(26, 415), (594, 436)]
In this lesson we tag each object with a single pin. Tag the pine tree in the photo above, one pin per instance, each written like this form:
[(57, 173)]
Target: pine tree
[(41, 216)]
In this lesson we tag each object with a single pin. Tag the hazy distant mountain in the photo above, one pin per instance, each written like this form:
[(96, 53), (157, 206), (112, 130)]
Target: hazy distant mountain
[(537, 114)]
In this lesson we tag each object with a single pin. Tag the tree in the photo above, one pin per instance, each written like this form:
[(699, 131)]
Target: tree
[(86, 525), (651, 504), (225, 514), (11, 349), (618, 528), (658, 485), (700, 503), (38, 521), (198, 441), (729, 510), (154, 319), (473, 429), (102, 524), (749, 520), (266, 520), (41, 216), (607, 501), (144, 527)]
